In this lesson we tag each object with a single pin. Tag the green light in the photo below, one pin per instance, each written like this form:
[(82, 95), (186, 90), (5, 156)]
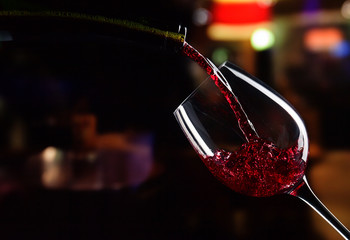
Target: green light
[(220, 55), (262, 39)]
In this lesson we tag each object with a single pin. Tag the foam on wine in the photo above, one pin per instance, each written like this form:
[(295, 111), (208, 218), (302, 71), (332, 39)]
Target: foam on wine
[(258, 168)]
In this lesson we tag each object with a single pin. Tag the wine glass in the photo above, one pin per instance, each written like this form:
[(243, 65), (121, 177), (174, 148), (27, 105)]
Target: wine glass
[(255, 143)]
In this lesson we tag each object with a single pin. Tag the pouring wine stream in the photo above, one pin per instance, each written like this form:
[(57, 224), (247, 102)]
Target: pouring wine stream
[(265, 155)]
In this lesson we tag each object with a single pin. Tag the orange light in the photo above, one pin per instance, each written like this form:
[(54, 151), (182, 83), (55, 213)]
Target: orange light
[(323, 39), (231, 32)]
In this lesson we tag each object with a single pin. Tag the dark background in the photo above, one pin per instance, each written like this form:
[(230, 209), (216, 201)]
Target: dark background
[(126, 86)]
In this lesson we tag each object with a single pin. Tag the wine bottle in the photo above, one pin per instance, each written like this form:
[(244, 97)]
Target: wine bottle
[(58, 26)]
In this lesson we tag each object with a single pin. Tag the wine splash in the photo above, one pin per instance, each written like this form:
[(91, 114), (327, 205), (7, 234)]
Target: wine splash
[(258, 168)]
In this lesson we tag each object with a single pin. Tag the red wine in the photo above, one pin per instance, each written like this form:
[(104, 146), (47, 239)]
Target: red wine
[(258, 168)]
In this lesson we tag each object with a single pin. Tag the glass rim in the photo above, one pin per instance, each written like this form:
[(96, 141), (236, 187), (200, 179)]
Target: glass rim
[(195, 137)]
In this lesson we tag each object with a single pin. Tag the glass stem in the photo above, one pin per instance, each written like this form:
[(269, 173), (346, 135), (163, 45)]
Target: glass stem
[(305, 193)]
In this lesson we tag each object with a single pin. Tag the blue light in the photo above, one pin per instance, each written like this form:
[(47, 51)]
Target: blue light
[(342, 49), (311, 6)]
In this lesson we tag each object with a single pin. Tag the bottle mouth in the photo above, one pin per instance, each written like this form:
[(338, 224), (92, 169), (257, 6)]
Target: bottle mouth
[(183, 34)]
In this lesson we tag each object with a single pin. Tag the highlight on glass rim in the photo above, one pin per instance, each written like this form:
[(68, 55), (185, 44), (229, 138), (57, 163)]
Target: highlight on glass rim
[(178, 120)]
